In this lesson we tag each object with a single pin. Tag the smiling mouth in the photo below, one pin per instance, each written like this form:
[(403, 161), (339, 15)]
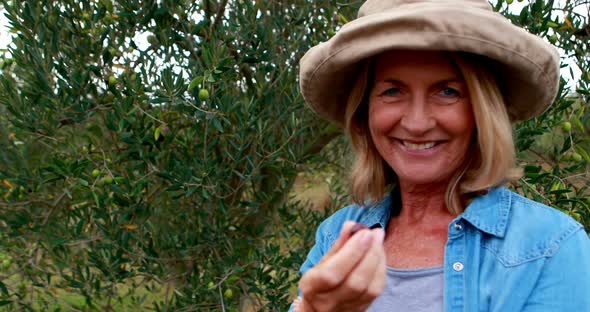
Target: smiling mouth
[(419, 146)]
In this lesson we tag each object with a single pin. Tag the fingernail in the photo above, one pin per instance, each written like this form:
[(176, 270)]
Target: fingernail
[(366, 238), (347, 226)]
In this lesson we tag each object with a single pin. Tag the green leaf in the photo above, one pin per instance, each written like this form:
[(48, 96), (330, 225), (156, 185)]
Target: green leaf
[(583, 153), (532, 168), (195, 83), (157, 133), (560, 192), (5, 302), (3, 288), (578, 123), (343, 18), (217, 125), (96, 200), (524, 13)]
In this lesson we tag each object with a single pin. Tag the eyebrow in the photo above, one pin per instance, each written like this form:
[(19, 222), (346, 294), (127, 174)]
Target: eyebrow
[(440, 82)]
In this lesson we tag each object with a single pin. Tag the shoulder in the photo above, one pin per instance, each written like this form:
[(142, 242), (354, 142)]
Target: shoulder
[(329, 229), (525, 210), (533, 231), (371, 215), (529, 217)]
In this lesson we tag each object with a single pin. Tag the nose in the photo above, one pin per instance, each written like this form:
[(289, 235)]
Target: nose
[(417, 118)]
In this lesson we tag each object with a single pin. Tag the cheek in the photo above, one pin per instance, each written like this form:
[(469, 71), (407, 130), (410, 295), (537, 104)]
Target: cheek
[(468, 124), (461, 122), (382, 118)]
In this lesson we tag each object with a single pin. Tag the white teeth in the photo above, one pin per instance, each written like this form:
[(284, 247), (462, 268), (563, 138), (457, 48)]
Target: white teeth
[(419, 146)]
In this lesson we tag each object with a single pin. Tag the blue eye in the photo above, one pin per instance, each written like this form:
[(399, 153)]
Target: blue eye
[(391, 92), (449, 92), (447, 95)]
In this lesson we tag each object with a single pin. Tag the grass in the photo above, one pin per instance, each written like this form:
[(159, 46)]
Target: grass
[(312, 190), (128, 297)]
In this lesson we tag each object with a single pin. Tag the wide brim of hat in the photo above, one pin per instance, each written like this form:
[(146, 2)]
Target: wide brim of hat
[(525, 66)]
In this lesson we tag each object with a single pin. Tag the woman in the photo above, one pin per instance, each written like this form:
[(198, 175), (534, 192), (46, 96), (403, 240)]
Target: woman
[(430, 91)]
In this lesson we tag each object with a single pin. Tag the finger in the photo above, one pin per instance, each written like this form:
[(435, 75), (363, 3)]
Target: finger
[(358, 282), (353, 291), (343, 238), (351, 252), (297, 307), (305, 306), (379, 279), (329, 274)]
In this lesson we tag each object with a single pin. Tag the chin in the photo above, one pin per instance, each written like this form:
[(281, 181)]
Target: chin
[(422, 176), (421, 181)]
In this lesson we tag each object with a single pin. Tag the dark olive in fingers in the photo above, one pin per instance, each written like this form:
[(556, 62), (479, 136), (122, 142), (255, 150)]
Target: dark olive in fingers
[(357, 227)]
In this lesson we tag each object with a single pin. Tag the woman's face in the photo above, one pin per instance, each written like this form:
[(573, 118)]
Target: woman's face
[(420, 115)]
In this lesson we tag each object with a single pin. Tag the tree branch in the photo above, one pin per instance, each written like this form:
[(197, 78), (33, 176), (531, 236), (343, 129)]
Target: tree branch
[(246, 71), (322, 141), (220, 12)]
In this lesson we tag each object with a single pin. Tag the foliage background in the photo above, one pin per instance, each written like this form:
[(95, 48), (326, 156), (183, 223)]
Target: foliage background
[(125, 187)]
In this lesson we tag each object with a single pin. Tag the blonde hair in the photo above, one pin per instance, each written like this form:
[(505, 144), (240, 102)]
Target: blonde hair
[(491, 155)]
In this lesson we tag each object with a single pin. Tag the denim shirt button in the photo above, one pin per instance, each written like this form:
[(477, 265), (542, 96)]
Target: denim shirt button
[(458, 226), (458, 266)]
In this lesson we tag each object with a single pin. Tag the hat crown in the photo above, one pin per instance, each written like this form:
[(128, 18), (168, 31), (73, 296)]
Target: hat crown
[(526, 67), (378, 6)]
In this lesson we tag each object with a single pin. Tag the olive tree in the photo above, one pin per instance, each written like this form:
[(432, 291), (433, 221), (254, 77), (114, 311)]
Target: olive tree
[(149, 149)]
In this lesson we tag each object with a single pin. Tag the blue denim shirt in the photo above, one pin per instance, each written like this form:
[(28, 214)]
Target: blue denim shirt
[(503, 253)]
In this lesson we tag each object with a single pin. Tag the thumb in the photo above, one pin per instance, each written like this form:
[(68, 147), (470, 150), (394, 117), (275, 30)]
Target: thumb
[(345, 234)]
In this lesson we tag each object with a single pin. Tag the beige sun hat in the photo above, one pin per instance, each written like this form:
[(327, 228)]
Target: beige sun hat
[(526, 67)]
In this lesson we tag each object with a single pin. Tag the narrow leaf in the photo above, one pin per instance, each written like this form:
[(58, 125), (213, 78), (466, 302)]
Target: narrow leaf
[(583, 153), (195, 83), (157, 133)]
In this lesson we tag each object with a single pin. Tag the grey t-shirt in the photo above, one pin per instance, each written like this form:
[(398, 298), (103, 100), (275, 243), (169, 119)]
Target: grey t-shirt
[(416, 290)]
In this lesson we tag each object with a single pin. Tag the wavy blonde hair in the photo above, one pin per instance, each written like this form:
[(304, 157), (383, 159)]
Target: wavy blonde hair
[(492, 153)]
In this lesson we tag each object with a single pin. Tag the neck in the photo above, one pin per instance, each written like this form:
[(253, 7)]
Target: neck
[(423, 203)]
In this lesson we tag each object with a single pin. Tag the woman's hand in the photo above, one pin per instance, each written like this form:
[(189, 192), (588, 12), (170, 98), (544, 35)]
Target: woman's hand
[(349, 276)]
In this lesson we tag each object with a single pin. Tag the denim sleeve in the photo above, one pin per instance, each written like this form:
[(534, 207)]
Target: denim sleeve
[(317, 251), (564, 284)]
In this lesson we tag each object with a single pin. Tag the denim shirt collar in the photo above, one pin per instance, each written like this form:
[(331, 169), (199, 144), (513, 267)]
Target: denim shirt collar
[(489, 213), (377, 215)]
